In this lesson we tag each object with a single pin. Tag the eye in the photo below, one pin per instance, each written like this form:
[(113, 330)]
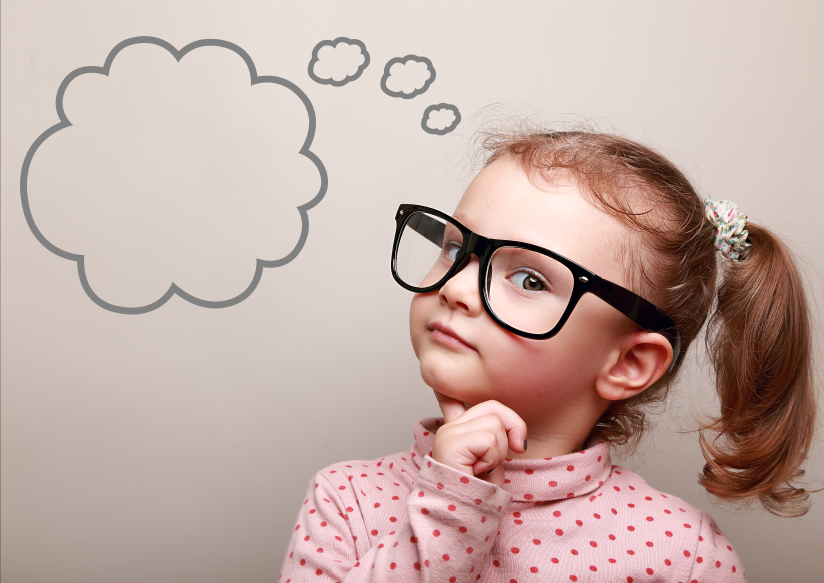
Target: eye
[(451, 250), (527, 281)]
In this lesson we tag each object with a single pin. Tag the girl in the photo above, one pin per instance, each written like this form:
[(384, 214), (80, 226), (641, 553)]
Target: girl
[(557, 300)]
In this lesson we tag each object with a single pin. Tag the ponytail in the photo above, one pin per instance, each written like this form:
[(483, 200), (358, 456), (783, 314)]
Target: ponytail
[(759, 341)]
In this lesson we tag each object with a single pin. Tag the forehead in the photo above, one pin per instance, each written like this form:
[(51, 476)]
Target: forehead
[(501, 203)]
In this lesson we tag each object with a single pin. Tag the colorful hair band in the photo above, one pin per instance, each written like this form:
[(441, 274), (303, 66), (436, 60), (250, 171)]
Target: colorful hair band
[(731, 236)]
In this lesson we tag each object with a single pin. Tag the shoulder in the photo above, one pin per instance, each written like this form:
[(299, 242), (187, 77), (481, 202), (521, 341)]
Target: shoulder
[(689, 533), (360, 478)]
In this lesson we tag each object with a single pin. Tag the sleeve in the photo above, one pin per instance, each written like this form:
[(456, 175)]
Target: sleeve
[(451, 524), (715, 559)]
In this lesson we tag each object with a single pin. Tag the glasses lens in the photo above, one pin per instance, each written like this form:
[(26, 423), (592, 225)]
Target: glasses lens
[(426, 250), (526, 290)]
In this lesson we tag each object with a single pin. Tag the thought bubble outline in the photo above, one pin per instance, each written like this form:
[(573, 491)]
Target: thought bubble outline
[(332, 43), (435, 107), (173, 288), (404, 60)]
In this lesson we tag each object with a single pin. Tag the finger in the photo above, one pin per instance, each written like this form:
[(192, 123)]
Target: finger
[(472, 453), (451, 408), (514, 425), (484, 431), (486, 424)]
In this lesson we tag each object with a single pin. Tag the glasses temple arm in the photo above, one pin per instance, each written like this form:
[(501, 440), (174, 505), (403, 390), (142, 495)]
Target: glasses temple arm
[(642, 312)]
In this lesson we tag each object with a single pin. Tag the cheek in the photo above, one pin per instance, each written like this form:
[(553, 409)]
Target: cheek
[(418, 320)]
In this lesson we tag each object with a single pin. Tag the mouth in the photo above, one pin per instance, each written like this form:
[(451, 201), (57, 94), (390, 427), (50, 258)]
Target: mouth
[(446, 336)]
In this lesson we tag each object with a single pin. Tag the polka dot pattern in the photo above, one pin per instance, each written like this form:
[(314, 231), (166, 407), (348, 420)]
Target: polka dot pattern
[(574, 517)]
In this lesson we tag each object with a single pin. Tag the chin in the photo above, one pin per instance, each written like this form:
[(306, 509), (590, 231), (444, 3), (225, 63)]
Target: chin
[(449, 380)]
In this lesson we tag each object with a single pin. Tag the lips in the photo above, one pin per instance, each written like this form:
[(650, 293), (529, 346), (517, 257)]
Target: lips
[(447, 335)]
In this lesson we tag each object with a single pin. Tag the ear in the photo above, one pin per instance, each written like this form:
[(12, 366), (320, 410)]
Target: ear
[(639, 360)]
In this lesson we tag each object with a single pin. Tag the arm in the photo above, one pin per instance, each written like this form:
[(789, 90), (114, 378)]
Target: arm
[(715, 559), (451, 524)]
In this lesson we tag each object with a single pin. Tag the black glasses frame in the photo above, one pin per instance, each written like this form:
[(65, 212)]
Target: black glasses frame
[(641, 311)]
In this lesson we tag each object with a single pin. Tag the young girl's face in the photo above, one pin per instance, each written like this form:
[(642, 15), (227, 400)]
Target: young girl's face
[(465, 355)]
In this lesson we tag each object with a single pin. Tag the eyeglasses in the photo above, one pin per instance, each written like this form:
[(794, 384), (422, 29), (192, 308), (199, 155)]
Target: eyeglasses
[(527, 290)]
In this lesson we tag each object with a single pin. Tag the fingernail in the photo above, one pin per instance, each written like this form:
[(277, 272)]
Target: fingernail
[(524, 443), (490, 471)]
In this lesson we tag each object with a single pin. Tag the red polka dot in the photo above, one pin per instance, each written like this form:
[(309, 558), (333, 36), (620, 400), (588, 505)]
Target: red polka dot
[(452, 508), (515, 550), (649, 571), (687, 526), (667, 562), (529, 472), (392, 565), (453, 579), (649, 543), (496, 563), (612, 537), (536, 541), (528, 496), (593, 568), (374, 532), (668, 533), (686, 553), (631, 505), (413, 539), (630, 552), (553, 483), (533, 569), (320, 550), (319, 572), (611, 560), (424, 511), (699, 560), (574, 551), (417, 566), (733, 568), (440, 487), (436, 533), (649, 518), (464, 480), (592, 543), (596, 515), (469, 550), (420, 494), (426, 563), (302, 562), (556, 514), (478, 501), (617, 489), (559, 532), (629, 579), (573, 578), (579, 523), (461, 529), (483, 519), (570, 468), (446, 557), (554, 560), (630, 528)]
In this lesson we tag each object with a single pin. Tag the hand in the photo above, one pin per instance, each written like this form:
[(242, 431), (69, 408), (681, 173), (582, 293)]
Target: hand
[(476, 440)]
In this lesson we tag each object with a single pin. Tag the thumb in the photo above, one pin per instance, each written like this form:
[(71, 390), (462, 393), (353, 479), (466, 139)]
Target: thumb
[(451, 408)]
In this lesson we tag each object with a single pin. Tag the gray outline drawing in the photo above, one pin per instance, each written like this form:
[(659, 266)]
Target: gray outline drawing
[(174, 289), (334, 43), (436, 107), (403, 60)]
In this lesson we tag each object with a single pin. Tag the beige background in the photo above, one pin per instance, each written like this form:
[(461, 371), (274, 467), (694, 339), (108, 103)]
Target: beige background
[(177, 445)]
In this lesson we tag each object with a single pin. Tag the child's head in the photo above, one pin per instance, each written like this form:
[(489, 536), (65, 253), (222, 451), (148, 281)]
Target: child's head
[(627, 214)]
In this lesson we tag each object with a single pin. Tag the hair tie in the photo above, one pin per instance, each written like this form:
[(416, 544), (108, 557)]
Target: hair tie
[(731, 236)]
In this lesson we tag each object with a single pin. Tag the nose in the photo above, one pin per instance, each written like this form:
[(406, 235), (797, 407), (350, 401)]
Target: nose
[(461, 292)]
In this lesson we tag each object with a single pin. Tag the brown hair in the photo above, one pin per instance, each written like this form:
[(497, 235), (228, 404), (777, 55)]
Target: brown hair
[(758, 335)]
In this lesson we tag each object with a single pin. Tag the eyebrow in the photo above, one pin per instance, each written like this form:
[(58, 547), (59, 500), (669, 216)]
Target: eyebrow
[(461, 218)]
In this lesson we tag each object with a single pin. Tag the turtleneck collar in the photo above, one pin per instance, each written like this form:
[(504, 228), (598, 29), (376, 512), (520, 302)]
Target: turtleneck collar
[(536, 480)]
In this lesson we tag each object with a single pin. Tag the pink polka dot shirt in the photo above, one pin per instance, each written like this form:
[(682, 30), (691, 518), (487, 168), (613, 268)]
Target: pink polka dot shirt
[(577, 517)]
